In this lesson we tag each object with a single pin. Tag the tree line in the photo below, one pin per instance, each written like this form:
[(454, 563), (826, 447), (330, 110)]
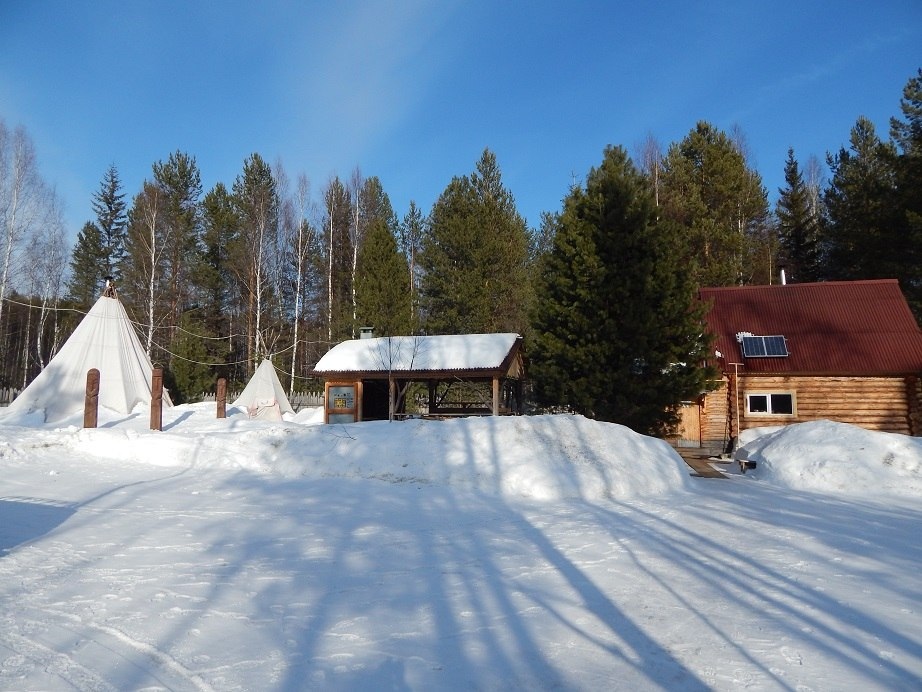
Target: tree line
[(602, 289)]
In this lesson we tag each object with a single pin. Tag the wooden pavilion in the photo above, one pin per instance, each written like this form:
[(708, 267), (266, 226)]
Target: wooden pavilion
[(456, 375)]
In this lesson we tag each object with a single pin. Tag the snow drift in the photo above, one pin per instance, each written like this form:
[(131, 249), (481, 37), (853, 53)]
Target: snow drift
[(539, 553), (540, 457), (836, 457)]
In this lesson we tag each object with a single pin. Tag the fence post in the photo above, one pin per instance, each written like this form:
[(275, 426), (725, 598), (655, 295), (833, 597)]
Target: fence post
[(156, 400), (91, 399), (221, 397)]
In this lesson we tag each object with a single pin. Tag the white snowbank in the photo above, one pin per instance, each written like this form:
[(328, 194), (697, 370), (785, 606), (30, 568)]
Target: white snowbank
[(537, 553), (539, 457), (838, 458)]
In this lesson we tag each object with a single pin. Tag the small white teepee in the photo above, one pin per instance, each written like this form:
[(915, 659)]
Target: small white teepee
[(105, 340), (264, 397)]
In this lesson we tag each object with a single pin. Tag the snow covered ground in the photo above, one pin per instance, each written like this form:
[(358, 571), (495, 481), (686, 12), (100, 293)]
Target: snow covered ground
[(534, 553)]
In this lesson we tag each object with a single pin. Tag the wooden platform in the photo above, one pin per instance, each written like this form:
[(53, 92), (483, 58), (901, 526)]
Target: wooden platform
[(697, 461)]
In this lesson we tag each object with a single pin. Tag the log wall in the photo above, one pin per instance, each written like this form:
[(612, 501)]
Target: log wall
[(890, 404)]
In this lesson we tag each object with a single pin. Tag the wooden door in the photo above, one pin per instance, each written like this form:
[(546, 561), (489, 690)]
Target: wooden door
[(690, 424)]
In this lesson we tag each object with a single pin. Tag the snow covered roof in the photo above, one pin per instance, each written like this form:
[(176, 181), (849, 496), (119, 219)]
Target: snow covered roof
[(456, 352)]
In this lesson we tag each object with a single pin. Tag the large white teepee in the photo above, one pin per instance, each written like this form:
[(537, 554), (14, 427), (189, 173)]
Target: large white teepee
[(264, 397), (104, 340)]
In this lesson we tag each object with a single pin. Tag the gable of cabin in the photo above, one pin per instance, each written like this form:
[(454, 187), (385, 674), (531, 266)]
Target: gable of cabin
[(843, 351)]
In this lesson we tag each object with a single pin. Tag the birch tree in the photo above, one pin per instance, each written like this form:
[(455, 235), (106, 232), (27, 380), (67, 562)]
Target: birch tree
[(356, 235), (49, 257), (300, 243), (411, 238), (256, 197), (145, 243), (21, 191)]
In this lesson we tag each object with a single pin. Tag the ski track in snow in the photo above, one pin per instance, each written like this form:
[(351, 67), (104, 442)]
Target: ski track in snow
[(199, 576)]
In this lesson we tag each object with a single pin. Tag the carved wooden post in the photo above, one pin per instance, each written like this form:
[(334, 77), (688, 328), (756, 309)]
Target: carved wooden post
[(221, 397), (91, 402), (156, 400)]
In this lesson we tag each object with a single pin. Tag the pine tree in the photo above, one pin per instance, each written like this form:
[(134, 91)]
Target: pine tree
[(474, 257), (616, 336), (337, 223), (382, 283), (504, 249), (220, 229), (907, 136), (87, 266), (452, 301), (719, 202), (798, 227), (862, 230), (372, 205), (181, 190)]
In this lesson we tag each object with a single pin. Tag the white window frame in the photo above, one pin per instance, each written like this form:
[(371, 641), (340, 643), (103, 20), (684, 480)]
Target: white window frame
[(768, 394)]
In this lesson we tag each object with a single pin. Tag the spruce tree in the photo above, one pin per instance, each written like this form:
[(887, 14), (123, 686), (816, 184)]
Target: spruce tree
[(617, 333), (189, 373), (111, 218), (87, 266), (382, 283), (798, 226), (100, 247)]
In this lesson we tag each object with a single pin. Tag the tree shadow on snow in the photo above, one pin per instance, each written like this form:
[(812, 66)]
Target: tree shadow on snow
[(24, 519)]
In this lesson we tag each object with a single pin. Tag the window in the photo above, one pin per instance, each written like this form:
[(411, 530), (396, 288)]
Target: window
[(770, 404)]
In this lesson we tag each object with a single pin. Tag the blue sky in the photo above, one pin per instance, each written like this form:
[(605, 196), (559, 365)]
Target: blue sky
[(412, 92)]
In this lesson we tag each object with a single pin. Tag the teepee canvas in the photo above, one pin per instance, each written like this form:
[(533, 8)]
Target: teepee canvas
[(263, 397), (104, 340)]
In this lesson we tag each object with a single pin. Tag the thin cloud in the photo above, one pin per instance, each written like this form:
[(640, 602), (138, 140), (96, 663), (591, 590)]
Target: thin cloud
[(367, 69)]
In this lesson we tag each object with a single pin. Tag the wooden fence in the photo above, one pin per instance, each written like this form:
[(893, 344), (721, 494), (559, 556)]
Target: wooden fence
[(297, 401)]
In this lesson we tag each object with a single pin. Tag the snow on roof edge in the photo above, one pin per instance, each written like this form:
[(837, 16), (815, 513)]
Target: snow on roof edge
[(405, 353)]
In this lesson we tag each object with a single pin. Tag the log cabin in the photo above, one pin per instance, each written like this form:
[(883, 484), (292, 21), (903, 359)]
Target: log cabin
[(848, 351), (456, 375)]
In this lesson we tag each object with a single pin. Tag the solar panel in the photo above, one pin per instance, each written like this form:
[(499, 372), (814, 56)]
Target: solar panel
[(764, 346)]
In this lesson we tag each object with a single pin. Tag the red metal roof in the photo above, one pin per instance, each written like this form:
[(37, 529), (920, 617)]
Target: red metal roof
[(835, 327)]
